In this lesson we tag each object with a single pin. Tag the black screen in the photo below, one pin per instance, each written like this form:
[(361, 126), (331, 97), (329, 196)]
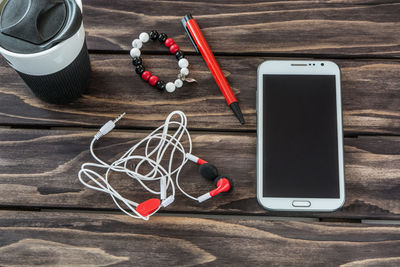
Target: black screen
[(300, 136)]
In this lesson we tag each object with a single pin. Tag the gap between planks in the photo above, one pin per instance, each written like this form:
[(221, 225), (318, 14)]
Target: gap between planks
[(196, 130), (209, 216), (257, 54)]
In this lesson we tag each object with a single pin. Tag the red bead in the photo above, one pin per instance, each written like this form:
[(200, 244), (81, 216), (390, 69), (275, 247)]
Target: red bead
[(146, 75), (153, 80), (174, 48), (169, 42)]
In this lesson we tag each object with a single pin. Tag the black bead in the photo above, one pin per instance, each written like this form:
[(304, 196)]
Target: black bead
[(160, 85), (153, 35), (162, 37), (140, 69), (136, 61), (179, 55)]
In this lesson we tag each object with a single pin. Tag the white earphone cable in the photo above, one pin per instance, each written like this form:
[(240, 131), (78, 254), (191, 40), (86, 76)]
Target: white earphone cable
[(155, 158)]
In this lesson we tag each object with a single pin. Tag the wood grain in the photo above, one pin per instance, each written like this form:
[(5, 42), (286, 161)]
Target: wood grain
[(285, 27), (105, 239), (370, 96), (39, 169)]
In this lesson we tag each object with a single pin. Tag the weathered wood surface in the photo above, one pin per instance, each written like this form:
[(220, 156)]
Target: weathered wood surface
[(370, 95), (296, 27), (59, 239), (39, 169)]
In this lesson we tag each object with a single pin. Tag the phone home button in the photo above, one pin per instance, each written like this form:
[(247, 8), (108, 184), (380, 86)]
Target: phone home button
[(298, 203)]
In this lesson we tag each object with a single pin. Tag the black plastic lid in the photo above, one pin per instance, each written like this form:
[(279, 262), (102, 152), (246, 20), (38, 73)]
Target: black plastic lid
[(31, 26)]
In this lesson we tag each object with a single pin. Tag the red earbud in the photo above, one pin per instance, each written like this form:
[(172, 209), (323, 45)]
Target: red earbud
[(223, 185)]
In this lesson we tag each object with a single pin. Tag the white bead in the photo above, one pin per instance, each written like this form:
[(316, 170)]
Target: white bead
[(137, 43), (178, 83), (185, 71), (144, 37), (183, 63), (170, 87), (135, 52)]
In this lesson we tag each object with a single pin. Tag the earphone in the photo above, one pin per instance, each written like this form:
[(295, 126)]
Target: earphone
[(160, 164), (210, 172)]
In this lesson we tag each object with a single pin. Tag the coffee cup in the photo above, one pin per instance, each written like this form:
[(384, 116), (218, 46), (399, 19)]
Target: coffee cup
[(44, 41)]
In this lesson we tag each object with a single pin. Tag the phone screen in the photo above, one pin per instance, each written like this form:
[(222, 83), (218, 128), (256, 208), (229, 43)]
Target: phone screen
[(300, 142)]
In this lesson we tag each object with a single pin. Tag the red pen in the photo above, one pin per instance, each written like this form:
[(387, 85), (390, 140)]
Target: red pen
[(200, 44)]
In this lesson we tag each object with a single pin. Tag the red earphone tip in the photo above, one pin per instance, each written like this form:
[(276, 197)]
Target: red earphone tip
[(201, 161), (148, 207), (224, 185)]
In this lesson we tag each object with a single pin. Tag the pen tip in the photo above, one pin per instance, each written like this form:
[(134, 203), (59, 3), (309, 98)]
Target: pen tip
[(237, 111)]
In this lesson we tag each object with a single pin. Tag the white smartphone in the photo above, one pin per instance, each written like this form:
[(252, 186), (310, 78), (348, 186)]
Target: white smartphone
[(299, 136)]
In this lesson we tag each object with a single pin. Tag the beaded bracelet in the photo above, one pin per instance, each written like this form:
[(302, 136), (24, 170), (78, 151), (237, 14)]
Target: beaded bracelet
[(146, 75)]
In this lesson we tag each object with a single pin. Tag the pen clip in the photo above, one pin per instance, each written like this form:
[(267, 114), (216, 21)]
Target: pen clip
[(184, 21)]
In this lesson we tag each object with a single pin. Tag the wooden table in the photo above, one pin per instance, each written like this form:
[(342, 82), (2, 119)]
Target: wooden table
[(48, 217)]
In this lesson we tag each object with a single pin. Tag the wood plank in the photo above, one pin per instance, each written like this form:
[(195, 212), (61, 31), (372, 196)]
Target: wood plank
[(39, 169), (370, 94), (291, 27), (104, 239)]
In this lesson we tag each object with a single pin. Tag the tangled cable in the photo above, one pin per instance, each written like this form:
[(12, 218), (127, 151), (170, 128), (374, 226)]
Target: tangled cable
[(159, 163)]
